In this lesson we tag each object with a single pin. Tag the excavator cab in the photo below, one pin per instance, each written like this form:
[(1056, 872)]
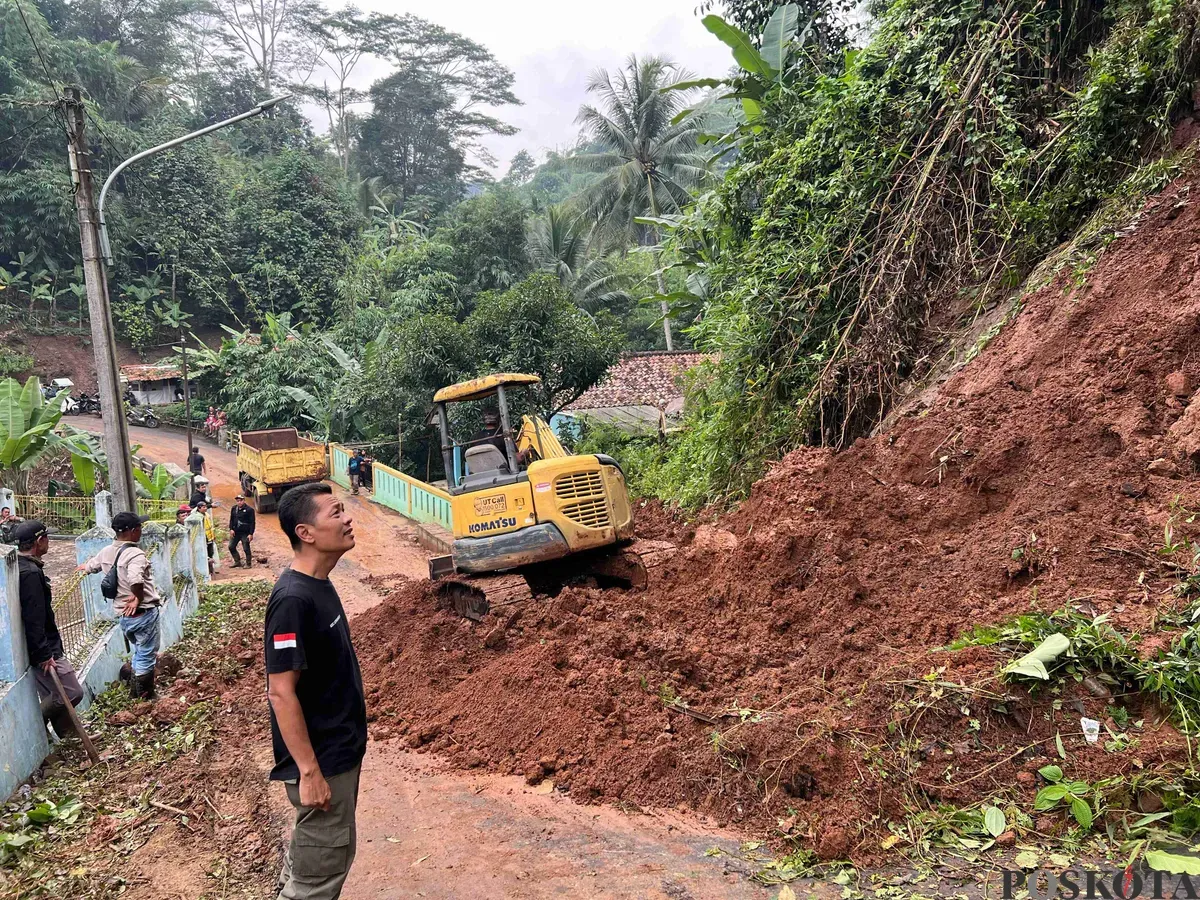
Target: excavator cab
[(492, 460), (517, 496)]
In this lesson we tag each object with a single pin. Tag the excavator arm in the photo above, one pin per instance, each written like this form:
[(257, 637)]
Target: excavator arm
[(535, 435)]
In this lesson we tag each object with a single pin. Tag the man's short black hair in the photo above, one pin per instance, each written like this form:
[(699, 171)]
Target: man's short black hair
[(299, 506)]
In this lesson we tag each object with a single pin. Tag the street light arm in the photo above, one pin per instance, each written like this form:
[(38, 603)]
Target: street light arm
[(105, 248)]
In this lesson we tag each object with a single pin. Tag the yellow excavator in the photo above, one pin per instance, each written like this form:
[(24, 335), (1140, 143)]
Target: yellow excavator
[(523, 506)]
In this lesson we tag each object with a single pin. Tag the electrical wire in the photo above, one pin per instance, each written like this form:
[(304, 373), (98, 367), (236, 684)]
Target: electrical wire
[(45, 68), (112, 145), (37, 49), (29, 127)]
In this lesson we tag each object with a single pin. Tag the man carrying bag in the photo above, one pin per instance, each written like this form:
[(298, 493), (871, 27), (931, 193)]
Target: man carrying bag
[(129, 582)]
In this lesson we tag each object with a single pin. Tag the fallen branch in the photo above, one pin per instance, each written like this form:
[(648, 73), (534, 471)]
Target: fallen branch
[(175, 811), (699, 716)]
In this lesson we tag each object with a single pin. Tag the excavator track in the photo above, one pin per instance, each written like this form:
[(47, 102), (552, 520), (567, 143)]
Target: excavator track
[(636, 565)]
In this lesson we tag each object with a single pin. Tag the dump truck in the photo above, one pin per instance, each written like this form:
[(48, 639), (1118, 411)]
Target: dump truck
[(275, 459), (526, 511)]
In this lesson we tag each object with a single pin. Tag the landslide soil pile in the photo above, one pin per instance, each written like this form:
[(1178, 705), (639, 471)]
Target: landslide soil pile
[(806, 627)]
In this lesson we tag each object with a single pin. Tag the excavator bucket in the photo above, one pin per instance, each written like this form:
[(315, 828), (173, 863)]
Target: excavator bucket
[(474, 598)]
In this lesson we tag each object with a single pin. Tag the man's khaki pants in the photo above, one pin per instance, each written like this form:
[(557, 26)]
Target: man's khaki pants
[(318, 859)]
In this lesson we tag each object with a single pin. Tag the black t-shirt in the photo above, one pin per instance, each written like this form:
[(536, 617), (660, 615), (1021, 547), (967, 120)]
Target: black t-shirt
[(306, 630), (196, 463), (495, 438)]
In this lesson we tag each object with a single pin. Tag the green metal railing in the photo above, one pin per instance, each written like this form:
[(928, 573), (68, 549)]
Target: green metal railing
[(159, 510), (411, 497), (70, 515), (339, 460)]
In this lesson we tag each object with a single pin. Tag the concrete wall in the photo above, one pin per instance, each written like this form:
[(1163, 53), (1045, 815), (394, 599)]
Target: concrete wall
[(22, 748), (178, 559)]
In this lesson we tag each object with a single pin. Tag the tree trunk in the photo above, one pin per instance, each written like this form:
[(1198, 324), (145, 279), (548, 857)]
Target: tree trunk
[(662, 284), (666, 309)]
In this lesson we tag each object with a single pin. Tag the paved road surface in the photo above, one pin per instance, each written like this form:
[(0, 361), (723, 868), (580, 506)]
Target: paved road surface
[(425, 832)]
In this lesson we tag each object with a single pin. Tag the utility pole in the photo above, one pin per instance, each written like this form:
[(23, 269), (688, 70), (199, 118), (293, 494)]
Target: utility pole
[(187, 391), (108, 376)]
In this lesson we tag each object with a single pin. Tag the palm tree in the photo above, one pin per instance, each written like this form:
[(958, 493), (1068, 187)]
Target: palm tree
[(649, 165), (568, 247)]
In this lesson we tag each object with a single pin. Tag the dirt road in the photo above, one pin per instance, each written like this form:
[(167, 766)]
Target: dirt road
[(426, 832)]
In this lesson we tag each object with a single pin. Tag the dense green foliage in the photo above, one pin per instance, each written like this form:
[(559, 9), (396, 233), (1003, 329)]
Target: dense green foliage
[(848, 195), (356, 272), (643, 457), (934, 167)]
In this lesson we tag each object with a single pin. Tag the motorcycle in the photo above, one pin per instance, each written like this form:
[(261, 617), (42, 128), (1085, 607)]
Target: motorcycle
[(141, 415), (86, 403)]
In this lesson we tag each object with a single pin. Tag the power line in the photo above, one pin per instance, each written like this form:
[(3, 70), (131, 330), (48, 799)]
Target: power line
[(112, 145), (37, 49), (19, 132), (45, 68)]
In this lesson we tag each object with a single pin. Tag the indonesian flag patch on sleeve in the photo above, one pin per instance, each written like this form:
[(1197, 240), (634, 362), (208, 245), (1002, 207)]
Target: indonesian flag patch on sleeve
[(283, 641)]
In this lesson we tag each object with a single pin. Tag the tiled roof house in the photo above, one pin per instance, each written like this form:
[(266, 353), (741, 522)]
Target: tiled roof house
[(644, 390)]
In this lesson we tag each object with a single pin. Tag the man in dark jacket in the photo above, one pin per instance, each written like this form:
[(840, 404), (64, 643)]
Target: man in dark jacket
[(41, 631), (199, 491), (241, 531)]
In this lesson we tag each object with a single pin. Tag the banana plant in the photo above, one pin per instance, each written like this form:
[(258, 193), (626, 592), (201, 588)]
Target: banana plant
[(88, 459), (27, 422), (761, 67), (158, 485)]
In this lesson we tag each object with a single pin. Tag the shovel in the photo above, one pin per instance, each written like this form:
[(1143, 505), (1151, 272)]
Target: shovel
[(83, 735)]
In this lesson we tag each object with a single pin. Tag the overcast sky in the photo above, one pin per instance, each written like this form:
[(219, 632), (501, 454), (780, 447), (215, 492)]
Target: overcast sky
[(552, 46)]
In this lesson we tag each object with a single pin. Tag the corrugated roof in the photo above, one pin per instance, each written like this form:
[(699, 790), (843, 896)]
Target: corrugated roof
[(652, 378), (151, 372)]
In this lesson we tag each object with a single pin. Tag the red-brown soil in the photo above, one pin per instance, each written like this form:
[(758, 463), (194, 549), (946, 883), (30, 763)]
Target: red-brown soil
[(807, 624)]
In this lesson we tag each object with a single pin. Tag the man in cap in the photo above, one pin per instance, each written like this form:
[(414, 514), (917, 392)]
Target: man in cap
[(137, 597), (241, 531), (182, 513), (41, 631)]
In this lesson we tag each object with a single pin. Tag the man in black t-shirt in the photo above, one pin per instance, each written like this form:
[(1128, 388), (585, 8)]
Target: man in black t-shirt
[(318, 712), (196, 463)]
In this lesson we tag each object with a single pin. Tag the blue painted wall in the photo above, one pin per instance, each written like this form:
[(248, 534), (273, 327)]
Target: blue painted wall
[(24, 740), (23, 737)]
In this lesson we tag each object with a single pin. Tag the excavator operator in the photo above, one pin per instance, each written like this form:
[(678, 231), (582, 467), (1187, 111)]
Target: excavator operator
[(493, 434)]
